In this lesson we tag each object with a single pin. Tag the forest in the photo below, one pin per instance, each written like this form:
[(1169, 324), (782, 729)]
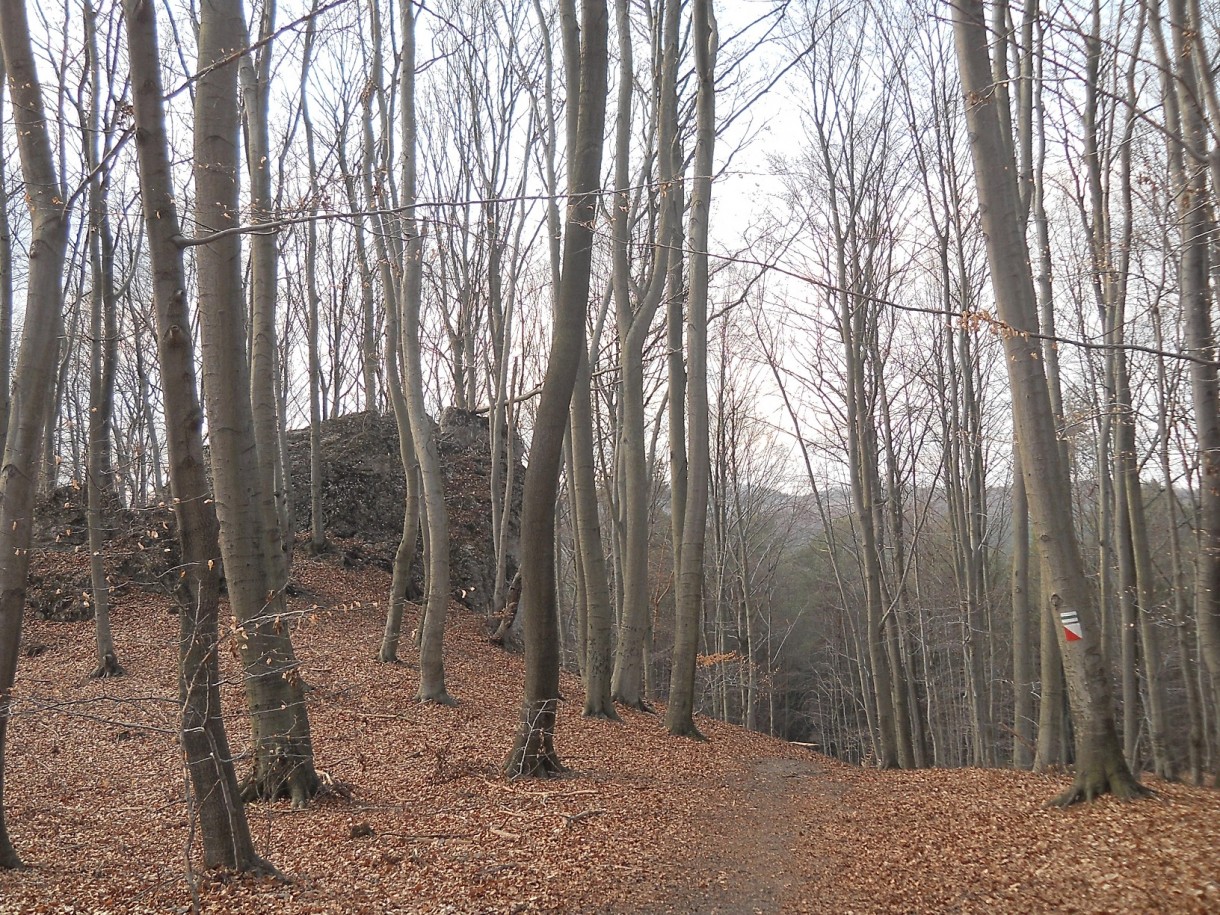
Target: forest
[(843, 372)]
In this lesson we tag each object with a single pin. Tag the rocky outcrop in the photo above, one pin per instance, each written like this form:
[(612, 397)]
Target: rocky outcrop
[(363, 493)]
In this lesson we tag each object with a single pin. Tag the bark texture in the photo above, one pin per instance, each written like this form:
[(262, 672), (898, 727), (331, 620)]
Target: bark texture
[(688, 611), (533, 752), (222, 819), (283, 752), (34, 377), (1100, 766)]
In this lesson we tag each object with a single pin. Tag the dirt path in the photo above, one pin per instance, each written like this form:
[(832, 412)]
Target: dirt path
[(810, 836), (753, 852)]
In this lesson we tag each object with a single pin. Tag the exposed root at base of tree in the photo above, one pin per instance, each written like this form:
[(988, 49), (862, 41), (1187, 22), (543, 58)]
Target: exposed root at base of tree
[(533, 754), (603, 712), (537, 765), (1092, 783), (283, 775), (686, 729), (256, 869), (10, 862), (108, 667), (639, 705), (440, 698), (317, 549)]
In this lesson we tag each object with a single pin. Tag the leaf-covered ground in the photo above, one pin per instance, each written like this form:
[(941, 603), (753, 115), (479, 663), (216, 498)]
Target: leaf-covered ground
[(645, 822)]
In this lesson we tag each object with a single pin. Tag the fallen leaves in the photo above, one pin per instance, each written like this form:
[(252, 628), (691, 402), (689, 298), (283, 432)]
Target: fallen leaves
[(645, 823)]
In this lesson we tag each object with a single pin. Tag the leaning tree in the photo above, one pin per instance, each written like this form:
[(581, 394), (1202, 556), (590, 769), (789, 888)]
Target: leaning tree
[(1100, 765), (533, 752)]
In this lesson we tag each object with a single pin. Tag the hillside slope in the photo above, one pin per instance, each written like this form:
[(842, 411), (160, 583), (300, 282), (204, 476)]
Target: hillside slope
[(645, 823)]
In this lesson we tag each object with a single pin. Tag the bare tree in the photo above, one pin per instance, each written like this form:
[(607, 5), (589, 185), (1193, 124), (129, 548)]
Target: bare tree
[(317, 528), (103, 331), (688, 610), (423, 430), (1100, 765), (283, 757), (533, 751), (1197, 228), (6, 278), (275, 507), (35, 373), (209, 762)]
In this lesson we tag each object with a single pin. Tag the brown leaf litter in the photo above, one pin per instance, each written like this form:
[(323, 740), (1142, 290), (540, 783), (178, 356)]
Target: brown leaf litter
[(644, 823)]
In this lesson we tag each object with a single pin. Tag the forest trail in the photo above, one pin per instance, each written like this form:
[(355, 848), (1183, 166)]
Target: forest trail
[(747, 864), (644, 823), (804, 836)]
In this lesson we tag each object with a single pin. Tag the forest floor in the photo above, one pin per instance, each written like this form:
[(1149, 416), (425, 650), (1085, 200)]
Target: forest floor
[(644, 823)]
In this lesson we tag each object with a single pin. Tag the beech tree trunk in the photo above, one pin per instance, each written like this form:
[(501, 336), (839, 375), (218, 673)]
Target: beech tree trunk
[(1197, 228), (274, 507), (436, 545), (688, 574), (317, 526), (283, 752), (99, 478), (34, 377), (1100, 766), (6, 279), (634, 325), (1023, 634), (533, 752), (597, 658), (209, 762)]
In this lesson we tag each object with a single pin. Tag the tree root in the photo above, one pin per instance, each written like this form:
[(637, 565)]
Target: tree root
[(533, 754), (256, 868), (317, 549), (1088, 786), (300, 784), (639, 705), (107, 667), (603, 713), (441, 698), (689, 730), (538, 765)]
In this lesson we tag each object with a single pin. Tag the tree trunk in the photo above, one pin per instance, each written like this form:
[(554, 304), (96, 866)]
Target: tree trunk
[(423, 430), (1197, 230), (533, 752), (6, 280), (99, 482), (205, 747), (1022, 629), (634, 326), (283, 753), (1182, 619), (597, 657), (1100, 766), (688, 598), (255, 77), (34, 378), (317, 525), (388, 246)]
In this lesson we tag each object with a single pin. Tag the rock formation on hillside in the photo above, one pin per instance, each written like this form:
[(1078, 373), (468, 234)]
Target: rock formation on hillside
[(363, 492)]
